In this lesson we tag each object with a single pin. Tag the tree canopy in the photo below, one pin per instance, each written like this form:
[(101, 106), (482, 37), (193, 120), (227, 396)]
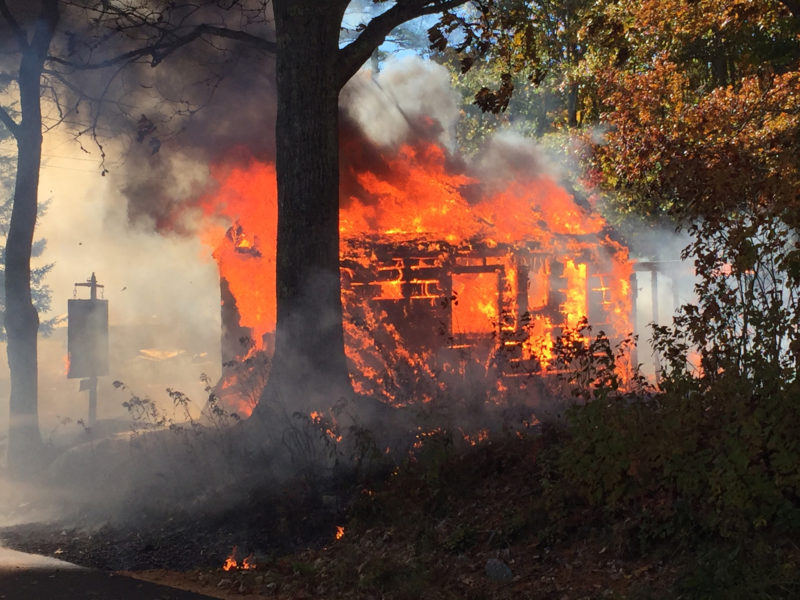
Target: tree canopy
[(682, 106)]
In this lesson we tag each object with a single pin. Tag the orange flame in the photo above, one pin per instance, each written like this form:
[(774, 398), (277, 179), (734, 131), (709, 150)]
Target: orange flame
[(231, 562), (525, 259), (574, 306), (247, 563), (330, 431), (241, 227)]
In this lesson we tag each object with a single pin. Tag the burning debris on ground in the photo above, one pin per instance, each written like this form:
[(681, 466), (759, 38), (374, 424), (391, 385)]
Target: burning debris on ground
[(429, 529)]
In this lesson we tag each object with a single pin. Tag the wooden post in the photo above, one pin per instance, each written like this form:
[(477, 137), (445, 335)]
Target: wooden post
[(654, 293), (634, 316), (654, 303), (92, 381)]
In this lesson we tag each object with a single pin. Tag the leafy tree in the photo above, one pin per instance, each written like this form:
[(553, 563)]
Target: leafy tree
[(703, 115), (529, 110), (689, 93), (30, 42), (536, 48), (40, 291)]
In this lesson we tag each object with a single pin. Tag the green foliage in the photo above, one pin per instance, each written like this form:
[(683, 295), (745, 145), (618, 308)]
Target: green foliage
[(707, 460), (746, 322), (463, 538), (40, 291), (723, 458), (591, 367), (303, 568), (523, 62), (432, 450), (529, 110)]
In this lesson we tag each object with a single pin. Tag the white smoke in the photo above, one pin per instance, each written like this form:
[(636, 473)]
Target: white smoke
[(387, 105), (509, 154)]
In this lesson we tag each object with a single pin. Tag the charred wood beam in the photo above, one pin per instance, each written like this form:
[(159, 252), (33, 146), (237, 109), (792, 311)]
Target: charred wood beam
[(477, 269)]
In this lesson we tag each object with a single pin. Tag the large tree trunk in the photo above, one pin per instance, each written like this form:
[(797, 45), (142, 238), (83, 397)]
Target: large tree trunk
[(309, 368), (22, 320), (572, 104)]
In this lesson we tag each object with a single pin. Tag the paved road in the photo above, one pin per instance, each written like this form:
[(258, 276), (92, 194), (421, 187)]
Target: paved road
[(32, 577)]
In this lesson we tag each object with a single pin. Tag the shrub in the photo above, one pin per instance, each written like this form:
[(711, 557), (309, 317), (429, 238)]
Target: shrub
[(713, 449)]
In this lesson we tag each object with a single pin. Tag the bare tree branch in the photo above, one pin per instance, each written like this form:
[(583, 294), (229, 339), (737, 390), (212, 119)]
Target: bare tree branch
[(357, 52), (159, 50), (10, 124)]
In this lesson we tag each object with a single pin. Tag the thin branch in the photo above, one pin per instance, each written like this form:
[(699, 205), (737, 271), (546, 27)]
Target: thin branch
[(96, 118), (53, 95), (66, 83), (19, 33), (223, 32), (160, 50), (356, 53), (10, 124), (92, 128)]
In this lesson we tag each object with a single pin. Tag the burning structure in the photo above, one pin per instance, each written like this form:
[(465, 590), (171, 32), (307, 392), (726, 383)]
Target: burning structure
[(441, 256), (481, 295), (436, 264)]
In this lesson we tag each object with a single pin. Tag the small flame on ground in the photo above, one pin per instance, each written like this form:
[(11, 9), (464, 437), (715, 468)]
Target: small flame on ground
[(231, 562), (475, 438), (339, 532), (330, 431)]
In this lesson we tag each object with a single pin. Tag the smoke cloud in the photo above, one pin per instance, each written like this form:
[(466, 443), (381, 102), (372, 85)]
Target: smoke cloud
[(409, 97)]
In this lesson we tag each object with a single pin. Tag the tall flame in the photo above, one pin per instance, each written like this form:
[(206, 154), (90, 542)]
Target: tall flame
[(240, 225), (525, 259)]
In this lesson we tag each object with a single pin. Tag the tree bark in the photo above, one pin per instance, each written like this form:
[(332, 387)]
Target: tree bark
[(572, 104), (309, 369), (22, 319)]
